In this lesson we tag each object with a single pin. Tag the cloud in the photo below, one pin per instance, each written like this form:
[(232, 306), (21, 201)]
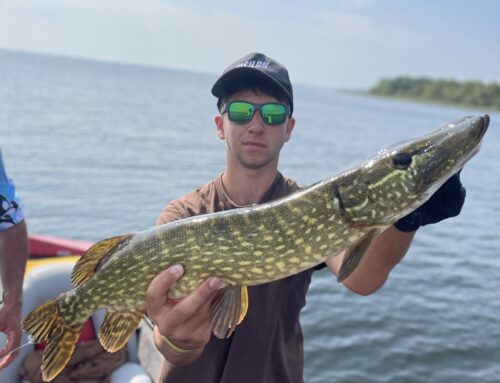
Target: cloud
[(346, 26), (146, 31), (340, 43)]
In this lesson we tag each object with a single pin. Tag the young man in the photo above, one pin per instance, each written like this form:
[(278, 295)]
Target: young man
[(13, 255), (255, 100)]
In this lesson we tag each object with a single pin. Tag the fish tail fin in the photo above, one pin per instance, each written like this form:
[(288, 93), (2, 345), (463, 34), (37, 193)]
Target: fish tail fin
[(58, 352), (46, 323)]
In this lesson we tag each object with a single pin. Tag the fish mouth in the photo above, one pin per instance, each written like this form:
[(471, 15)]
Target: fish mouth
[(481, 126), (461, 140), (481, 131), (485, 120)]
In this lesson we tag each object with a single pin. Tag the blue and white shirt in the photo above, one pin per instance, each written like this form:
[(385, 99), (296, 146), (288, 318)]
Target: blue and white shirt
[(11, 212)]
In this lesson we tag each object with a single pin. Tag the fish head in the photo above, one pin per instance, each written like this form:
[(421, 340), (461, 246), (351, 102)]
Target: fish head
[(400, 178)]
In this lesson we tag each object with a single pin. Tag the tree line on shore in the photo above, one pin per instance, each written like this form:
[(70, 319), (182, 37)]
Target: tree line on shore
[(468, 93)]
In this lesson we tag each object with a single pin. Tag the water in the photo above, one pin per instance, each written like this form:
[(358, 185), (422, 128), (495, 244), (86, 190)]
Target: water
[(98, 149)]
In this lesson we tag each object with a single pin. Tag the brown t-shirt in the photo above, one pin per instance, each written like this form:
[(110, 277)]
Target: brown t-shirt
[(267, 345)]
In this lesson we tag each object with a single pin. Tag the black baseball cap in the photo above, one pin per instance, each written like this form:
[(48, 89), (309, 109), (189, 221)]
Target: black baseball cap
[(259, 66)]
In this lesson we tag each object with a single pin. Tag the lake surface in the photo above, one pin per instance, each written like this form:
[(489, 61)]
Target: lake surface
[(97, 149)]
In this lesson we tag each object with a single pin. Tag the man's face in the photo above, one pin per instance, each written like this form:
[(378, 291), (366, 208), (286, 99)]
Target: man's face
[(253, 145)]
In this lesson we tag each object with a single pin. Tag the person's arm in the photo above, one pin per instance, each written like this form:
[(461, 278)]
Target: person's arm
[(387, 250), (13, 256)]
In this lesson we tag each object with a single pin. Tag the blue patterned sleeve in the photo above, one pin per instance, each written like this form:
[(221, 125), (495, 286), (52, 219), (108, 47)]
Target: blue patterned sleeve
[(11, 211)]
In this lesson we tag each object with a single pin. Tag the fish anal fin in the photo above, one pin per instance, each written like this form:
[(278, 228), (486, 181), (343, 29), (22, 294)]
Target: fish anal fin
[(229, 310), (87, 265), (118, 327), (354, 254)]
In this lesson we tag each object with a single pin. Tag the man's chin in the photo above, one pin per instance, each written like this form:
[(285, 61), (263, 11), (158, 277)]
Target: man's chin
[(255, 164)]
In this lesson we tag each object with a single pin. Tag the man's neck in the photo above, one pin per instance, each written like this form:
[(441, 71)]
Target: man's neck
[(248, 186)]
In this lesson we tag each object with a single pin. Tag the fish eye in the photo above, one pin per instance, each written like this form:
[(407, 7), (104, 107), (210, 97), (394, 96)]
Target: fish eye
[(401, 161)]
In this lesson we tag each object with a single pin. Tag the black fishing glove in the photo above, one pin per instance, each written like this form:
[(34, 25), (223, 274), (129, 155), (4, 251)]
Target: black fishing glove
[(446, 202)]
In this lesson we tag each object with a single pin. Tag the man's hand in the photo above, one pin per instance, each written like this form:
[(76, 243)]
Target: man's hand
[(10, 324), (446, 202), (185, 324), (13, 255)]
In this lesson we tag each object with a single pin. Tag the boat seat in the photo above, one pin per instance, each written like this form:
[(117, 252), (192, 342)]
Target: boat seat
[(47, 281)]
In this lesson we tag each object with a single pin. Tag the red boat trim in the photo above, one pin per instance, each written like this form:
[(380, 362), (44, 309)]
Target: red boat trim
[(46, 246)]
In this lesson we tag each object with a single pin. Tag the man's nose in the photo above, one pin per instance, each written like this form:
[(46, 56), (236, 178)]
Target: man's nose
[(256, 123)]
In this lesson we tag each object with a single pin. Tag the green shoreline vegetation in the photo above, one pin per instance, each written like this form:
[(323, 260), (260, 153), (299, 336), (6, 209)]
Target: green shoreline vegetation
[(469, 93)]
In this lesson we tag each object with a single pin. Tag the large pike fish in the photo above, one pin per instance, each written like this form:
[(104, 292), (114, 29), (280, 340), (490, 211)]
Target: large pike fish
[(251, 245)]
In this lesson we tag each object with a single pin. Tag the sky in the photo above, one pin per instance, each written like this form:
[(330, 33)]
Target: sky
[(347, 44)]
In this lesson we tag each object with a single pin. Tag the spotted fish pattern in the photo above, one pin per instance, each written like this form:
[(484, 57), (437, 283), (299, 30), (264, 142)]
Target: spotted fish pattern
[(252, 245)]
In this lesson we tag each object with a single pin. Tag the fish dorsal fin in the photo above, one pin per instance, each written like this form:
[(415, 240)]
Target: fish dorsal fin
[(355, 253), (118, 327), (87, 265), (229, 310)]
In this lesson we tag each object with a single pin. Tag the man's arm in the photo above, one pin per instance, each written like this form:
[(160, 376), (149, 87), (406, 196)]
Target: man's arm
[(13, 255)]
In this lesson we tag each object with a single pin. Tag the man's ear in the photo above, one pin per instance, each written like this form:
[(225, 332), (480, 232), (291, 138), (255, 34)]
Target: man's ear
[(219, 123), (289, 127)]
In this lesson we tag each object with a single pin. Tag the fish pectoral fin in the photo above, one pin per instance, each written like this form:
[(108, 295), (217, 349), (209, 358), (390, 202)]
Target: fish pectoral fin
[(118, 327), (229, 310), (354, 254), (87, 265)]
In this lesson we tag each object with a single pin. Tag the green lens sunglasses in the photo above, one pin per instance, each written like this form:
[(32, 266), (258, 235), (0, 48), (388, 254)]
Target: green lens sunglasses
[(241, 112)]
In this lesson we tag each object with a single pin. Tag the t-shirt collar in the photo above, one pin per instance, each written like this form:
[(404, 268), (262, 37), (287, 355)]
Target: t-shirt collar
[(229, 203)]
